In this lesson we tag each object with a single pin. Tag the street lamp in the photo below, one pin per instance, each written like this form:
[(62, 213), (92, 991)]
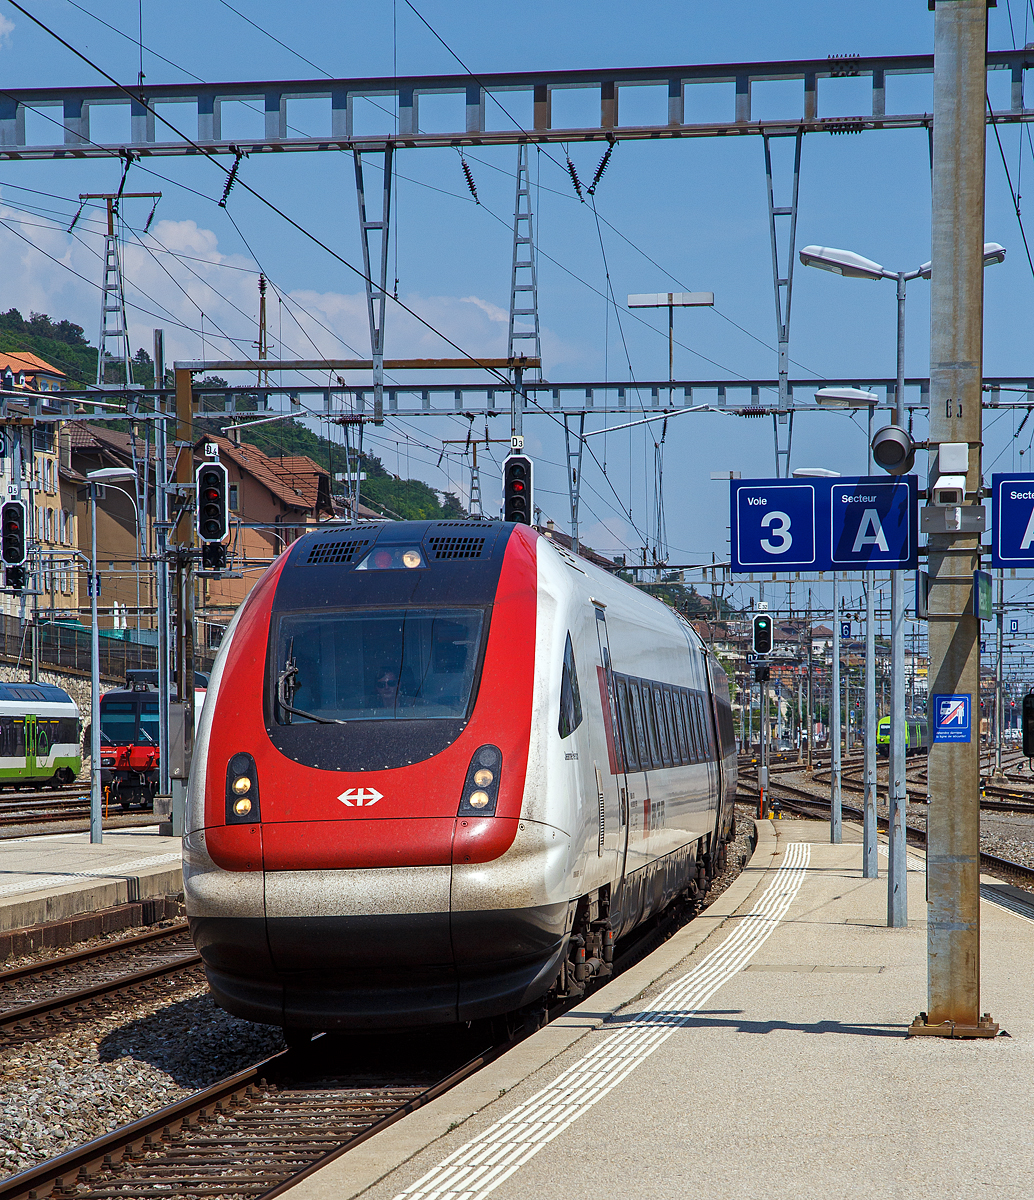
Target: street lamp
[(671, 301), (854, 266), (105, 475)]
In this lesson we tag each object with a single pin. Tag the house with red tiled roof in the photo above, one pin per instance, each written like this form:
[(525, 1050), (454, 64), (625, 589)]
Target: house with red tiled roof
[(22, 370)]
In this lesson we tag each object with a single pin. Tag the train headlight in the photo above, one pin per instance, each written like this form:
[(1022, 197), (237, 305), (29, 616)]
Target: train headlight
[(242, 790), (481, 786)]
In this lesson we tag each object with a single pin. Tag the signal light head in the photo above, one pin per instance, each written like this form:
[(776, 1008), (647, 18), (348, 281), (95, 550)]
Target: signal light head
[(517, 488), (213, 510)]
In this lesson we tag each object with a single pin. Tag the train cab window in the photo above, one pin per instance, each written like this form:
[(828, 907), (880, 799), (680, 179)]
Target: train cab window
[(570, 696), (376, 665), (149, 722), (118, 722)]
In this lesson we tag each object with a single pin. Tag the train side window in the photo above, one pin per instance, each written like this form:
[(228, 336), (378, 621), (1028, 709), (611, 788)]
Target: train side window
[(678, 734), (639, 724), (698, 727), (570, 696), (631, 753), (707, 727), (6, 737), (663, 732), (650, 713), (686, 705), (67, 731)]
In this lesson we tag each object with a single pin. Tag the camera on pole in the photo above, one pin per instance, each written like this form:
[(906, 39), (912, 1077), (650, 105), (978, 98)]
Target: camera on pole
[(762, 634), (213, 502), (517, 483)]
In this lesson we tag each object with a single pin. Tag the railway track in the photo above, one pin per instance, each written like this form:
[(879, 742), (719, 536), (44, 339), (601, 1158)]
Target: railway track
[(43, 998), (994, 797), (808, 803), (258, 1132)]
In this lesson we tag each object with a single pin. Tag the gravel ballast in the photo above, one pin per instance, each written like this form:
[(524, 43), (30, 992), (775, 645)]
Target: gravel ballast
[(60, 1092)]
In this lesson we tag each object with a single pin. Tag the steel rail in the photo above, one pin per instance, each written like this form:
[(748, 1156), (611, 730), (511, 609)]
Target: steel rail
[(994, 864), (94, 953)]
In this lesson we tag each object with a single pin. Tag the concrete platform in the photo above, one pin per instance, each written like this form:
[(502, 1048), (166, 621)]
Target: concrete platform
[(51, 877), (760, 1053)]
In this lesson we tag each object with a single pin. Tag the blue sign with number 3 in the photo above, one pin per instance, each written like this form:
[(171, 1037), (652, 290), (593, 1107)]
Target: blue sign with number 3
[(824, 523)]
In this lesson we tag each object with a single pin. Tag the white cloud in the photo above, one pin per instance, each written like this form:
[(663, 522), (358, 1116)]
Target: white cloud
[(207, 301), (6, 29), (493, 311)]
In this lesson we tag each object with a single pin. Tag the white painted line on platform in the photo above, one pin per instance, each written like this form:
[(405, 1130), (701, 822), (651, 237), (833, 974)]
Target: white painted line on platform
[(126, 868), (480, 1166), (1016, 907)]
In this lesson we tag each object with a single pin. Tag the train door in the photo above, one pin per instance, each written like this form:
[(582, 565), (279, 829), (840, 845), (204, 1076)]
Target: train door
[(46, 735), (715, 767), (614, 784), (30, 745)]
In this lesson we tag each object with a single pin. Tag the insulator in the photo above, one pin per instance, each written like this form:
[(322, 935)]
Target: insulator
[(470, 179), (231, 179), (574, 179), (601, 168)]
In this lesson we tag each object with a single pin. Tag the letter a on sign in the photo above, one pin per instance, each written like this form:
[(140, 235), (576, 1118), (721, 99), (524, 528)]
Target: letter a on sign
[(1028, 534), (870, 532)]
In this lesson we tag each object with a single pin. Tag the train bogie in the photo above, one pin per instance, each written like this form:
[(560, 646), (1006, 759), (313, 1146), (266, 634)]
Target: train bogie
[(440, 762)]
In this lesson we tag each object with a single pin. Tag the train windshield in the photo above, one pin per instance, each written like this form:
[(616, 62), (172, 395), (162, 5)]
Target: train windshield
[(376, 665), (118, 722)]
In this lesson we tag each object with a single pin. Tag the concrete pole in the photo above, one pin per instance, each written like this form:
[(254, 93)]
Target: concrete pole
[(161, 512), (835, 814), (870, 859), (96, 814), (897, 889), (956, 348), (999, 697)]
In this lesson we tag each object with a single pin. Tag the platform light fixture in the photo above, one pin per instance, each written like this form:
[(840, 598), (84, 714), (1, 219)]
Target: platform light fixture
[(846, 397)]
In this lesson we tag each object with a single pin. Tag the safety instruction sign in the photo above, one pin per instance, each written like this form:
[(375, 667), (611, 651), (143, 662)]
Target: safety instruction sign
[(952, 718)]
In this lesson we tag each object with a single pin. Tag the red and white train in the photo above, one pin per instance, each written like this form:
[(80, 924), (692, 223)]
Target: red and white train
[(440, 768)]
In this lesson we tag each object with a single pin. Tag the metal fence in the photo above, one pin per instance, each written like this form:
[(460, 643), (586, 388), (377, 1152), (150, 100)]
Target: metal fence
[(68, 646)]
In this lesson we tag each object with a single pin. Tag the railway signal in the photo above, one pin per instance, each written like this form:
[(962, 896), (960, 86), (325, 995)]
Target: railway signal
[(12, 533), (213, 503), (517, 485), (762, 634), (13, 543)]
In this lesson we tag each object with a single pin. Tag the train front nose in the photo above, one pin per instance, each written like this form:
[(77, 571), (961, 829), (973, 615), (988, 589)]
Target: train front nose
[(374, 947)]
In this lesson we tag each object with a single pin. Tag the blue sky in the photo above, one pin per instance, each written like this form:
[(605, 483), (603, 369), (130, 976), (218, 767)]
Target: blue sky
[(696, 208)]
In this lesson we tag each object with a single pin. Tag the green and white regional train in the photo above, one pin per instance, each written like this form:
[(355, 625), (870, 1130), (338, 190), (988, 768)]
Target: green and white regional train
[(40, 736)]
